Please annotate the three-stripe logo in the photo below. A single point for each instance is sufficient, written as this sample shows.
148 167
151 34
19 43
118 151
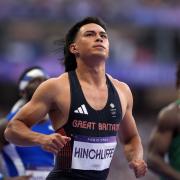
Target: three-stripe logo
81 110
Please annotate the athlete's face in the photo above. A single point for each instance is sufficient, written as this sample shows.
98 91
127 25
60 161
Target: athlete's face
91 41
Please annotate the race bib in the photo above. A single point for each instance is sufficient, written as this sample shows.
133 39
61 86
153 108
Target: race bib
93 153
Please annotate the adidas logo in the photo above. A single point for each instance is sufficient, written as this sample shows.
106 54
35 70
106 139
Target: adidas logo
81 110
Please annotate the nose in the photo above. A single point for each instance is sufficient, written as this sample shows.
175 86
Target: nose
99 38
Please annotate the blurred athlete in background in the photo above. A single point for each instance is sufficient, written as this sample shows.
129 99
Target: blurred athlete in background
165 140
23 160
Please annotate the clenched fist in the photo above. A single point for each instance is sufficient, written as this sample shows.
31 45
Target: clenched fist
54 142
139 167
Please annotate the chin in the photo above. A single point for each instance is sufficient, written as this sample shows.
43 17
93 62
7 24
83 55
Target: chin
100 56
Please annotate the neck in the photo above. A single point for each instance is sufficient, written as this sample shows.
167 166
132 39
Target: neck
92 73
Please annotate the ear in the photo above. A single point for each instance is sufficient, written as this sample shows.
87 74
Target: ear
73 48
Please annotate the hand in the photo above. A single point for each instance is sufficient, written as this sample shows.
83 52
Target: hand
139 167
54 142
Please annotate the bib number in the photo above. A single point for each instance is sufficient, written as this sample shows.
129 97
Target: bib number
93 153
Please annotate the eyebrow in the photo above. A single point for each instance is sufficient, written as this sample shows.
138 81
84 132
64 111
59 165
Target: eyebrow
92 31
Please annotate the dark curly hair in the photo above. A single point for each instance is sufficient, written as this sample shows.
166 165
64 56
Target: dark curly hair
69 58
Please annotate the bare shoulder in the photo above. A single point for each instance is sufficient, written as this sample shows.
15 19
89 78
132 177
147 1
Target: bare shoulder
168 117
55 83
119 85
51 87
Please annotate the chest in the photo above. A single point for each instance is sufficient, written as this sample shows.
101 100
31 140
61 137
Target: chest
95 104
96 97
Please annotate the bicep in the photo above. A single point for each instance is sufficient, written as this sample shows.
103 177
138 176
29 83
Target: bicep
160 141
162 134
31 113
127 129
35 110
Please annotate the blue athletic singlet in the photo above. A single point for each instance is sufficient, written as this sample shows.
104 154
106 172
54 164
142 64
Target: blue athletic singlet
93 136
34 160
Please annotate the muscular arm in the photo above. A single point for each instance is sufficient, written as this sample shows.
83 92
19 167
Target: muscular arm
128 133
129 137
159 144
18 130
